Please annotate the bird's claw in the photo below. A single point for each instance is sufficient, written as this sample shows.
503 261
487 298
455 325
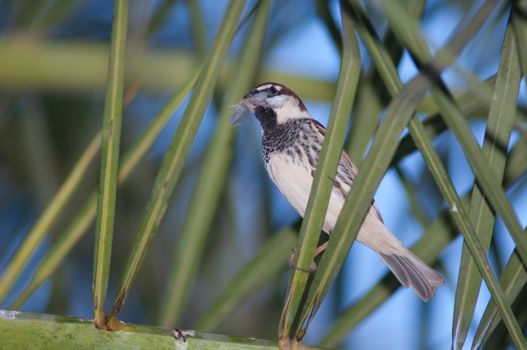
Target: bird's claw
291 262
181 334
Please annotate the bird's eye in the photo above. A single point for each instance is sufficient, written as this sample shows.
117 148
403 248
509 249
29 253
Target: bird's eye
273 91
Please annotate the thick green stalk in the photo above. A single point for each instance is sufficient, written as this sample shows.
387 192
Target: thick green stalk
326 168
203 205
111 133
30 331
172 165
82 67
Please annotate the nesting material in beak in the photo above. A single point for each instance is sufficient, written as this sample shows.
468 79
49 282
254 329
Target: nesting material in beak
247 106
241 113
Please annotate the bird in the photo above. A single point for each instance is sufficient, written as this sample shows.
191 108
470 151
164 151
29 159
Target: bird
291 144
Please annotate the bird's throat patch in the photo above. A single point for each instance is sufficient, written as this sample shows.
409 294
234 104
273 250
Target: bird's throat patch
266 116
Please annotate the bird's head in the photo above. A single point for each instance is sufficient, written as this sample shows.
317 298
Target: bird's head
272 104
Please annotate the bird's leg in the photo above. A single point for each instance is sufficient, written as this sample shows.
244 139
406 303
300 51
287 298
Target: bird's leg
291 261
320 249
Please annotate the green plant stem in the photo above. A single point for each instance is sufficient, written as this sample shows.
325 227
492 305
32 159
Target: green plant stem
322 184
48 332
111 133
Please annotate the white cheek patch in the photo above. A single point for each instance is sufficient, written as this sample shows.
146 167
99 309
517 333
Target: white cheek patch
279 100
286 108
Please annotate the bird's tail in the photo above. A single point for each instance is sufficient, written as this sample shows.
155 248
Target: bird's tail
412 272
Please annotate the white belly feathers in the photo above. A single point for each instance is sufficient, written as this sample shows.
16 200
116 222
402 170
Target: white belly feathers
294 180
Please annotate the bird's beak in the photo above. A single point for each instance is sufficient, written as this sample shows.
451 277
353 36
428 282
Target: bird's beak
252 99
247 106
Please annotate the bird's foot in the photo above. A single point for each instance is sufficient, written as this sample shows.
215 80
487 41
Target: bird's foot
291 262
182 334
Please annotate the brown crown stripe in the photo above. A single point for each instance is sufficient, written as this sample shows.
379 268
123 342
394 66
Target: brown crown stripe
284 90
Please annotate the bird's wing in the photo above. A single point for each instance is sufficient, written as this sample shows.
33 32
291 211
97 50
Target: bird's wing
349 171
346 172
347 168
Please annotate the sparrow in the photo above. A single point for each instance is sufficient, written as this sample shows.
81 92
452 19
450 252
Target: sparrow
291 144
